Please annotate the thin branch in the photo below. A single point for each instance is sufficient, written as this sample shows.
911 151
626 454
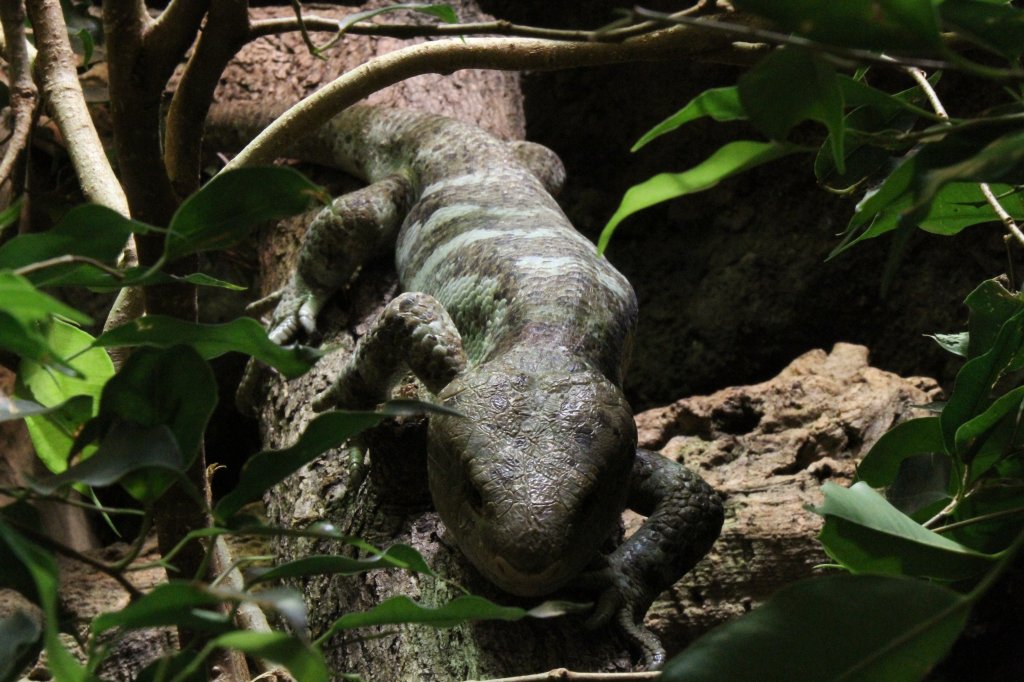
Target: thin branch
24 94
225 32
57 65
776 38
64 260
564 674
447 56
933 98
166 40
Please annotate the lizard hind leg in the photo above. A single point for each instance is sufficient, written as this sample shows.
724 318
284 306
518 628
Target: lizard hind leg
542 162
413 332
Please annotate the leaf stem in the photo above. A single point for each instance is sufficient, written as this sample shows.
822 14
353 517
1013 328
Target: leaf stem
980 519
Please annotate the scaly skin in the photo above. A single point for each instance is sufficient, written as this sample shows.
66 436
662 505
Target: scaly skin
513 320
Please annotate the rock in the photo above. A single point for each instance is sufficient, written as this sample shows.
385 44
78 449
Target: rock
767 448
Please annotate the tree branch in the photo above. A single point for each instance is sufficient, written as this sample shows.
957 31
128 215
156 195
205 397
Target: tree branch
57 66
24 94
446 56
226 31
168 38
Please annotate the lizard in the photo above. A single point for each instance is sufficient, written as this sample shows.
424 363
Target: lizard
510 318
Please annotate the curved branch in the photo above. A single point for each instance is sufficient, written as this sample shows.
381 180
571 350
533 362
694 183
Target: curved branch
24 94
446 56
60 84
167 39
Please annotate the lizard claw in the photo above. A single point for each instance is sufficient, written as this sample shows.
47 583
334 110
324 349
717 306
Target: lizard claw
296 310
624 600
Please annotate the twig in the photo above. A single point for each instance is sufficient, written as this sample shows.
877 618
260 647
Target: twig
563 674
64 94
24 94
933 98
64 260
446 56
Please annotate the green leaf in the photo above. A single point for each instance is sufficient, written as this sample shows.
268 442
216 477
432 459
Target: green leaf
302 661
10 215
267 468
993 25
890 25
812 92
18 636
1001 159
404 610
171 604
23 302
721 104
973 385
956 344
842 627
43 568
242 335
990 305
1007 404
397 556
731 159
53 433
866 534
12 409
89 230
227 207
127 449
443 12
913 437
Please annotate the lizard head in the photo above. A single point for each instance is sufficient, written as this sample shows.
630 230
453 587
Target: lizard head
532 479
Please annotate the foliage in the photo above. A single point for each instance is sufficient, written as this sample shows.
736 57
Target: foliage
922 554
949 521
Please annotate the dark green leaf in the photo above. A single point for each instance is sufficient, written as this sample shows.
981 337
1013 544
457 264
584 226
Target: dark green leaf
27 341
12 409
913 437
18 636
242 335
404 610
994 25
126 449
1001 159
990 305
89 230
301 660
866 534
398 556
874 214
842 627
43 568
731 159
1009 403
812 93
922 486
176 604
956 344
267 468
12 213
890 25
972 389
227 207
721 104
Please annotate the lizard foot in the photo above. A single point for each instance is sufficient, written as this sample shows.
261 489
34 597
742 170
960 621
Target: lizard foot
624 600
297 309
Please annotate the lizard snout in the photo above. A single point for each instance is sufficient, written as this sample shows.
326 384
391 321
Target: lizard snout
528 581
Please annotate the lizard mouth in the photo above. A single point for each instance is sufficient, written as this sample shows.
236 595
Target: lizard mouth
527 583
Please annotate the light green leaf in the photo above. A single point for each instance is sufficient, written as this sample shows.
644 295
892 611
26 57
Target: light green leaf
956 343
866 534
242 335
397 556
176 603
721 104
842 627
731 159
52 434
23 302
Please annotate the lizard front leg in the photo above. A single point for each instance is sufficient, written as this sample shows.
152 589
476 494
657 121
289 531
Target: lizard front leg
684 517
343 236
412 332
